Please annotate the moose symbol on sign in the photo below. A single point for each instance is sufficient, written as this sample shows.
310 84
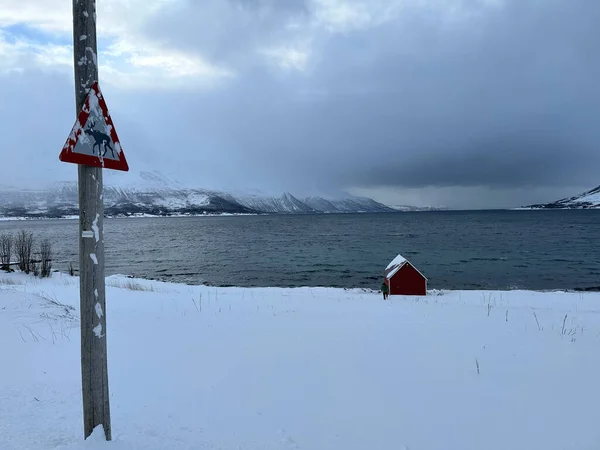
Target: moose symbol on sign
100 139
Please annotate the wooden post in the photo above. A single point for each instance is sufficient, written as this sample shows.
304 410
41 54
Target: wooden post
94 369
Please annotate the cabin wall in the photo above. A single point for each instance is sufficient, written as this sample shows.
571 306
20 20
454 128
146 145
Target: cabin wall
408 281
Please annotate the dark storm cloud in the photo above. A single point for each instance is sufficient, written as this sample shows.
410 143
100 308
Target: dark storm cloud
491 99
507 96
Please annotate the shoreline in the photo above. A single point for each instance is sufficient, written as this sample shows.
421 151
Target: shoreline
132 216
430 292
435 291
225 214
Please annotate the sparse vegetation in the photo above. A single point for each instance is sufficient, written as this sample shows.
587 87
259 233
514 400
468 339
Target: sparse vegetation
130 285
46 258
490 301
6 243
537 321
10 282
23 248
52 300
35 268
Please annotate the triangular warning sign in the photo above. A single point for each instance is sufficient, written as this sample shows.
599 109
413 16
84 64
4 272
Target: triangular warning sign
93 140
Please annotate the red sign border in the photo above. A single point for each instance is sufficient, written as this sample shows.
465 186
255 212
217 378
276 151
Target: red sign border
68 155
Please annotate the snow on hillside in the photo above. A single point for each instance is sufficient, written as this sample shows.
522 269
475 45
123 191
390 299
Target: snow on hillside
587 200
146 193
409 208
346 205
152 193
591 197
287 203
196 367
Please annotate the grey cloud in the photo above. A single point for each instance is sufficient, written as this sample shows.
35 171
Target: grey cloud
37 112
278 6
228 32
505 99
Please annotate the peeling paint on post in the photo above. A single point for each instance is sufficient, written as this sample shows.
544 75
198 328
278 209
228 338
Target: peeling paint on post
94 367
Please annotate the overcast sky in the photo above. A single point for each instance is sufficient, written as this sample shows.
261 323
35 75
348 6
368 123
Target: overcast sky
464 103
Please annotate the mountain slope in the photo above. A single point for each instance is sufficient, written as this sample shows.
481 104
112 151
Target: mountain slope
151 193
587 200
346 205
287 203
61 200
409 208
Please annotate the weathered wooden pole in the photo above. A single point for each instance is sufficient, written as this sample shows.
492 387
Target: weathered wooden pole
94 368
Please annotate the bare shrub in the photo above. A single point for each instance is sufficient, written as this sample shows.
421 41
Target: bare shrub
46 258
71 270
53 300
35 268
23 248
6 244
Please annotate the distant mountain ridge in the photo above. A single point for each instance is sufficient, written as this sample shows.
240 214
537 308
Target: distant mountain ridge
287 203
346 205
408 208
588 200
152 194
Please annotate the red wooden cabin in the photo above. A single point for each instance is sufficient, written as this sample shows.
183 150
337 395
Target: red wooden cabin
402 278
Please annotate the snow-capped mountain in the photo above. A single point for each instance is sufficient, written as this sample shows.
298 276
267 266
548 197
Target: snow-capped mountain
287 203
408 208
587 200
61 200
151 193
346 205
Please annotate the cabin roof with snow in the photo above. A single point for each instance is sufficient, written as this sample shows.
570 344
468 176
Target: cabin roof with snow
396 264
398 260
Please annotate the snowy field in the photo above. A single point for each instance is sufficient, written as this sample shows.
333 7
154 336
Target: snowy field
195 367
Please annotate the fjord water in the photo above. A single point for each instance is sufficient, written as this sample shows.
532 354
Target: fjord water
455 250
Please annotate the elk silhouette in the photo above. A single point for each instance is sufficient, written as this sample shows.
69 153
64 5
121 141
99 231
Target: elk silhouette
101 140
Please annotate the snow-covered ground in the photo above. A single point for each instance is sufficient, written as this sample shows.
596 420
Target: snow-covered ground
196 367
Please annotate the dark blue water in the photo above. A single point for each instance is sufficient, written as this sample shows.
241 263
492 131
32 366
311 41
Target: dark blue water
455 250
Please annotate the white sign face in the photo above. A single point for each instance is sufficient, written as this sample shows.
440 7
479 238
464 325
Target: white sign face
95 138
